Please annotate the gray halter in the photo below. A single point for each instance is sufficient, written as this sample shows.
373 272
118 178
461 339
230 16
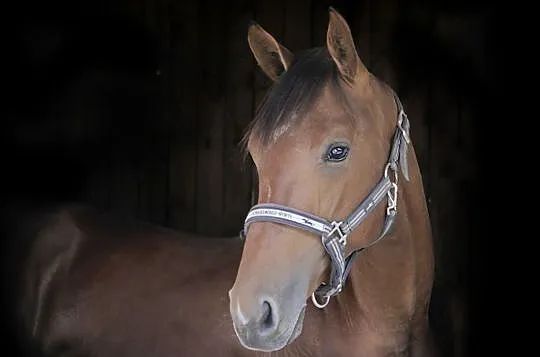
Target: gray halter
334 233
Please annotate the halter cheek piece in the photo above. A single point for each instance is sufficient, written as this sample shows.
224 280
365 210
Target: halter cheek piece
334 233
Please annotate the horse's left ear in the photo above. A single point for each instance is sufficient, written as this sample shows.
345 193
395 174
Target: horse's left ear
341 46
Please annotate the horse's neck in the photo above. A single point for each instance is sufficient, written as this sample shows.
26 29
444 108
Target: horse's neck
398 269
414 207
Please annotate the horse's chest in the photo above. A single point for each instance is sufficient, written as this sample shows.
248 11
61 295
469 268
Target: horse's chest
362 344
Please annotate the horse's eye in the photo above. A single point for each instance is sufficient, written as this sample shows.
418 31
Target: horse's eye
337 152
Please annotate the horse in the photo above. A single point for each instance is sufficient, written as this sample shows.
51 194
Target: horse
96 284
341 215
329 139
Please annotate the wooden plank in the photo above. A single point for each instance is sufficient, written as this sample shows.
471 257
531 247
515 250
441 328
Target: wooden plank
237 179
319 22
143 210
158 165
213 26
467 186
124 183
117 187
145 144
145 156
383 18
442 178
361 31
97 185
183 109
124 147
297 29
467 143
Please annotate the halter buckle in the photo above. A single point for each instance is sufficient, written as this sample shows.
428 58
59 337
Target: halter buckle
392 199
392 194
336 227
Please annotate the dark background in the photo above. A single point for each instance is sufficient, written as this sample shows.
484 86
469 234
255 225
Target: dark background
138 107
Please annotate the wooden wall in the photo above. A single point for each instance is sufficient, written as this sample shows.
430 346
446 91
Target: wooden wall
181 166
139 106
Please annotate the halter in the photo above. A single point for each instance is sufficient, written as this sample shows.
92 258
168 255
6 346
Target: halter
334 233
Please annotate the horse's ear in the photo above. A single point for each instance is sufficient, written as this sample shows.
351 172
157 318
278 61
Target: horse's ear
273 58
341 47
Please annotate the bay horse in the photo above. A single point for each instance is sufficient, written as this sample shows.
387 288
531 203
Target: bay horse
341 215
329 139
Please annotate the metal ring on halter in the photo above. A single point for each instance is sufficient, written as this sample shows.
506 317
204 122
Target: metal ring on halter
393 167
316 303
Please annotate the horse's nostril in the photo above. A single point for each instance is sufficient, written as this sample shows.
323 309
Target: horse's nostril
267 320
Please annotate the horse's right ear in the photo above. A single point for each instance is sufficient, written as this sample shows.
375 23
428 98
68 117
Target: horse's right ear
273 58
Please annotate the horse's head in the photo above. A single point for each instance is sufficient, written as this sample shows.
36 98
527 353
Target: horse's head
320 142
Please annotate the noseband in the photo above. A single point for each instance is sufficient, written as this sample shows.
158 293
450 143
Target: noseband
334 233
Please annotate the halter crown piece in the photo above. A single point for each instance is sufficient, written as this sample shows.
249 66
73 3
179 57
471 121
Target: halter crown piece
334 233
